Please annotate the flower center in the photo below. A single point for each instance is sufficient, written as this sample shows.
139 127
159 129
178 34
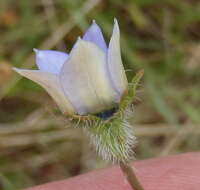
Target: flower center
106 114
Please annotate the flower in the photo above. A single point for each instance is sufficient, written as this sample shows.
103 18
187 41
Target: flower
89 80
89 85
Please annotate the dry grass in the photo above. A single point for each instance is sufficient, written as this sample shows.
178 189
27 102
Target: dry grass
37 144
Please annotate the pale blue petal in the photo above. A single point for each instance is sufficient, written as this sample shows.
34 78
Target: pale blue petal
50 82
94 34
50 61
115 66
85 80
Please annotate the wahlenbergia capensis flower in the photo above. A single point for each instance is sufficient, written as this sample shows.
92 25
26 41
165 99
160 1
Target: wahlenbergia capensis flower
89 85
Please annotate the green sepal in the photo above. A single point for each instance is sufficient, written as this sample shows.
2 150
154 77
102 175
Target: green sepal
127 99
113 138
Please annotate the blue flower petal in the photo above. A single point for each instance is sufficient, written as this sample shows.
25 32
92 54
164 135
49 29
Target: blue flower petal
50 61
87 84
115 66
94 34
50 82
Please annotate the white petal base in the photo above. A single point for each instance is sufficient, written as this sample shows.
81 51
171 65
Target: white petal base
85 80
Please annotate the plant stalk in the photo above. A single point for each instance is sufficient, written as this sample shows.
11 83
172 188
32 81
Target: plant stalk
130 176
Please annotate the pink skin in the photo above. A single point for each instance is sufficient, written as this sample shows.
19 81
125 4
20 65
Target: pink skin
181 172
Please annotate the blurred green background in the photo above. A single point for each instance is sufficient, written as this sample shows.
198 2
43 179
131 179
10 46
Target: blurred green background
37 145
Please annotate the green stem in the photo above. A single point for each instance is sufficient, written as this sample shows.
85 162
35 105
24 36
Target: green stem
130 176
